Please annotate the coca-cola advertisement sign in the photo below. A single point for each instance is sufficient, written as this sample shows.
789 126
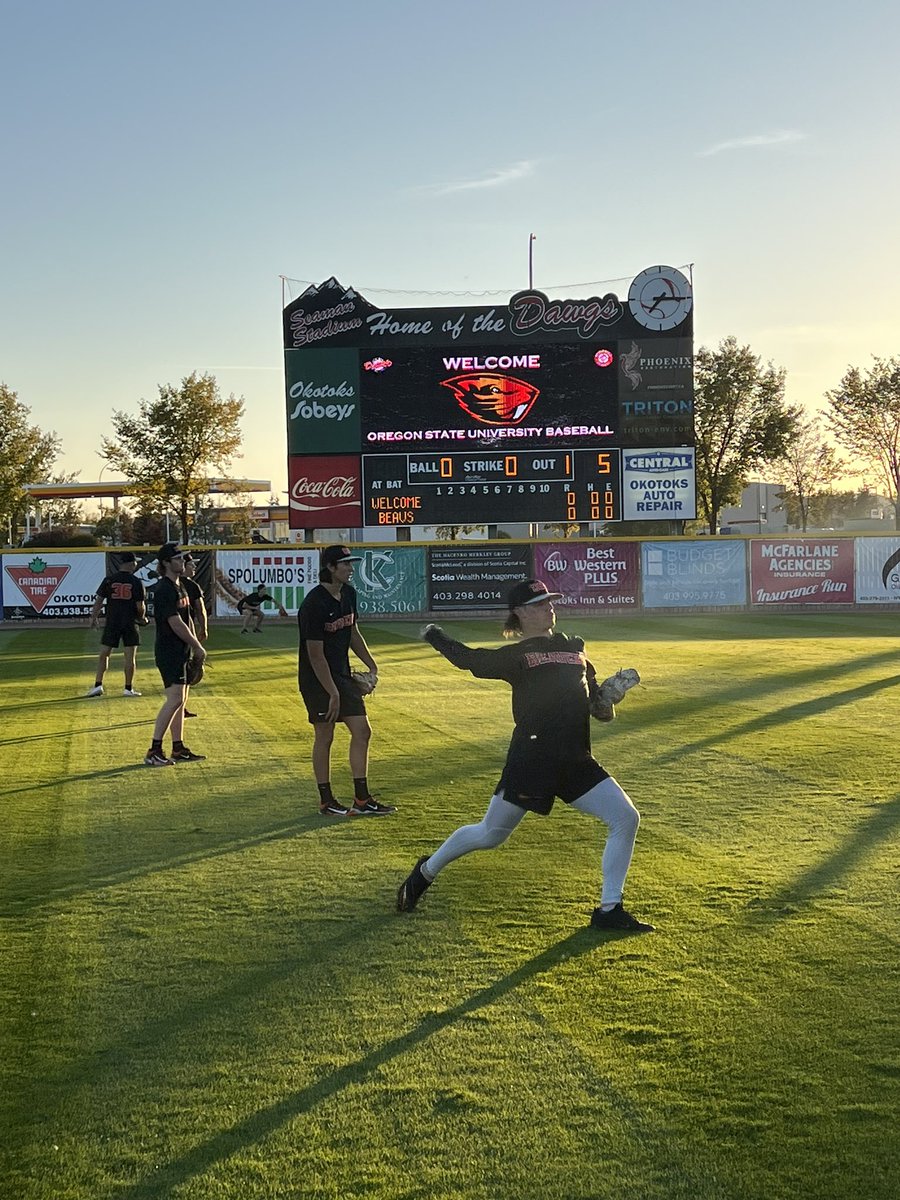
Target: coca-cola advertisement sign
324 491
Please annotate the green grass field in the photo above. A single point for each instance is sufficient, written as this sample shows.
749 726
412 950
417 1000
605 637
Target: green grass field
206 993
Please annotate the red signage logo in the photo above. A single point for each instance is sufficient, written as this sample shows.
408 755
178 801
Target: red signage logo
492 398
324 492
38 582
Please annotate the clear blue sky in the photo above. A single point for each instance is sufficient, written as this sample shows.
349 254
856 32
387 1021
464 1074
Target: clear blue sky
164 164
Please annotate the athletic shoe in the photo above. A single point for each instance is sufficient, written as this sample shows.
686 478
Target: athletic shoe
333 808
155 758
97 690
130 692
413 888
619 919
245 631
371 808
185 755
189 714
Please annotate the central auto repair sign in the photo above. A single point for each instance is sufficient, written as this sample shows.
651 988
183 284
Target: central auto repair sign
801 571
43 584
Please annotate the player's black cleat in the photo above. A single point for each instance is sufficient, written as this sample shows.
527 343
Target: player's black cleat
370 807
333 808
618 920
185 755
413 888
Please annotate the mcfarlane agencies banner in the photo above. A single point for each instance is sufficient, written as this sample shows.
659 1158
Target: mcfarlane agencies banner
601 575
287 575
801 570
685 574
475 577
44 584
878 570
390 580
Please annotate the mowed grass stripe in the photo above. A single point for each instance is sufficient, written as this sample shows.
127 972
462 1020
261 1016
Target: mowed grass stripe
225 1004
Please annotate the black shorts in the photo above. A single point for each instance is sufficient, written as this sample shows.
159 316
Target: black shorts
534 783
172 668
316 699
126 634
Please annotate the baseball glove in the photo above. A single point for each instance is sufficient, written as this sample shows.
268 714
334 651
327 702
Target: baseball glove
603 697
366 681
193 672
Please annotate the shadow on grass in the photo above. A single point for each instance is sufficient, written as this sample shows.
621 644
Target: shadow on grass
266 1121
70 733
18 906
879 826
782 716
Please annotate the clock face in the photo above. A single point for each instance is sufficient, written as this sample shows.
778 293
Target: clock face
660 298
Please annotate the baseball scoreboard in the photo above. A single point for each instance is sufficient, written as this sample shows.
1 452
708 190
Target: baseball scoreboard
539 411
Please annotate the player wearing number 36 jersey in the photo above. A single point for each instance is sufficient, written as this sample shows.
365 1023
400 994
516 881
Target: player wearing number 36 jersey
550 752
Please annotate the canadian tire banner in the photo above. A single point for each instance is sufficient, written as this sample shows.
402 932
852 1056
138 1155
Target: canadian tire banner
44 584
590 575
325 492
806 570
878 570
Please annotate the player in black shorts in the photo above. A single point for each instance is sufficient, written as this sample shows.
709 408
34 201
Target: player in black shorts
250 607
123 594
328 632
550 752
175 643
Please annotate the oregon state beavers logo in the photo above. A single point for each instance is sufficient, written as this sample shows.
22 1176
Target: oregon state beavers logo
493 399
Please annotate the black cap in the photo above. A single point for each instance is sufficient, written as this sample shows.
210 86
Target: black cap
531 591
169 551
127 556
332 555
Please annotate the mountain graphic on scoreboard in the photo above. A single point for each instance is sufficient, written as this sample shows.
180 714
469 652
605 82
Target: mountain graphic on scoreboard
492 398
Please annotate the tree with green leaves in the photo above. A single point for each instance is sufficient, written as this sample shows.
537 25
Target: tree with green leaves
741 422
811 465
176 442
26 456
864 415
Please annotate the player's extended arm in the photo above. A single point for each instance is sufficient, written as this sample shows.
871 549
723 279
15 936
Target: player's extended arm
483 664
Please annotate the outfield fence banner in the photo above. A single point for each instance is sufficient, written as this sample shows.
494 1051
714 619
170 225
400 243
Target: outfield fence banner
801 570
287 574
472 577
51 584
693 574
878 570
390 580
590 575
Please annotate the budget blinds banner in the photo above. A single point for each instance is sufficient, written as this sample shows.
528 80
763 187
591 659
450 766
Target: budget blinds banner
475 577
685 574
878 570
42 585
801 571
603 575
288 575
389 580
658 485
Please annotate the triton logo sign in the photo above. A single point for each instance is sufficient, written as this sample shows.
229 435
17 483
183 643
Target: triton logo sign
492 398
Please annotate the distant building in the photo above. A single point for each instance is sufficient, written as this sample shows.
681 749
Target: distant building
761 510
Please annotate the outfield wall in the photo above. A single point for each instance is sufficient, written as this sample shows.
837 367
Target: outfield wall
789 573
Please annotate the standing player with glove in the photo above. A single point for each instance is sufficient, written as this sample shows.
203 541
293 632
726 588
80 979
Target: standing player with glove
554 694
328 632
178 651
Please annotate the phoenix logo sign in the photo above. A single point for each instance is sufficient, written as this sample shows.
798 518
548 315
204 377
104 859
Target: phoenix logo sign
493 398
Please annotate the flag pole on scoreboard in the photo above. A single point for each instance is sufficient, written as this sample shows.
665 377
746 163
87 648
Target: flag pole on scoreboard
531 238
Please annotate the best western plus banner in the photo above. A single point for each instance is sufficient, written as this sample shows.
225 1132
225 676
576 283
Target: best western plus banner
599 575
44 584
801 571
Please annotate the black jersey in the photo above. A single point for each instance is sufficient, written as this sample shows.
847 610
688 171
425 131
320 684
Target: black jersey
254 600
169 600
327 619
195 597
550 752
122 592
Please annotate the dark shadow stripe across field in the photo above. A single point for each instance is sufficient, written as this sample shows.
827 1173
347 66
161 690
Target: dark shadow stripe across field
70 733
879 828
259 1125
778 717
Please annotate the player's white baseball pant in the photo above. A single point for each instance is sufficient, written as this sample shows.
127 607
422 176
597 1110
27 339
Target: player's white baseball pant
606 800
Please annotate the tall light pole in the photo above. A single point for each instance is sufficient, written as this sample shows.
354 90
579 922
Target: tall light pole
531 240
